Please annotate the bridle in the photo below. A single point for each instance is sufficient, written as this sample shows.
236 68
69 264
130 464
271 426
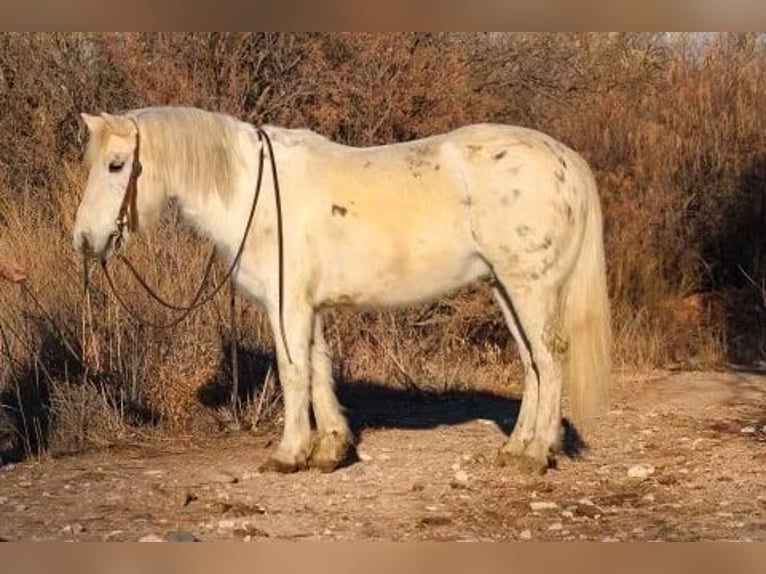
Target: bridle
127 218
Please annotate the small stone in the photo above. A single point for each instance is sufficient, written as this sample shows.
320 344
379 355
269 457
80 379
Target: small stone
223 477
247 538
150 538
226 524
111 535
460 480
73 529
364 457
567 514
555 526
20 507
188 498
525 535
180 536
648 498
154 472
536 505
641 471
747 430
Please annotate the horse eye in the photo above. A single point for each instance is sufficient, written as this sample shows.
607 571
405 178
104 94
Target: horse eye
115 166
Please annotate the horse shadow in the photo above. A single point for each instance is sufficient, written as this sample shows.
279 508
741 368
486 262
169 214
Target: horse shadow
370 404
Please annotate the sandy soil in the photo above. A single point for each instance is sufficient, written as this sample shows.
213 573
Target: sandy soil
679 457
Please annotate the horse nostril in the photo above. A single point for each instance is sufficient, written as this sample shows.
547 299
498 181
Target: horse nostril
82 244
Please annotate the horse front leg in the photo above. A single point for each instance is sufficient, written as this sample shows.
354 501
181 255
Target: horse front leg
334 439
294 449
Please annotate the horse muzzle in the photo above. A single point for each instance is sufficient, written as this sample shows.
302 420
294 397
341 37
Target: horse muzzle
88 246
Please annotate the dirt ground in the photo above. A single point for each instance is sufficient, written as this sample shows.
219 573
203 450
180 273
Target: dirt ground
680 456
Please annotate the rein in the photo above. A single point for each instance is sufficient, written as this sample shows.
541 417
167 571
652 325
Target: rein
127 218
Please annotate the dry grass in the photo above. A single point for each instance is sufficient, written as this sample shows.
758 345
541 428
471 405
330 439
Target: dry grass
675 134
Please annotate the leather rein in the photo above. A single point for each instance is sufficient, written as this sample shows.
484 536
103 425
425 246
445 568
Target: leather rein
127 218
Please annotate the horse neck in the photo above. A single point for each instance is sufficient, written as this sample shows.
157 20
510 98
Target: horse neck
221 219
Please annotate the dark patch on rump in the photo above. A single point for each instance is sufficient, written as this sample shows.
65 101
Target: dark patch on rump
339 210
560 175
500 155
523 230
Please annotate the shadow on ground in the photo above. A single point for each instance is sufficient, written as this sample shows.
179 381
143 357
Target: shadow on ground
377 404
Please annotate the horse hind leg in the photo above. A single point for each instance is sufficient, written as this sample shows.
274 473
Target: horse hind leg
530 312
333 438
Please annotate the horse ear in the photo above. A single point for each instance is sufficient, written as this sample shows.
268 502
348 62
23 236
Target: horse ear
94 123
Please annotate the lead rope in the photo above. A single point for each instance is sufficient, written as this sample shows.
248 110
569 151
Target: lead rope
198 300
280 243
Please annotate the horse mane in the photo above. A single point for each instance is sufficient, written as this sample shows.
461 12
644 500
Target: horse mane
196 149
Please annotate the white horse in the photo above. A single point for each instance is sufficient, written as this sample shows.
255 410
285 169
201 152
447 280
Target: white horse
379 226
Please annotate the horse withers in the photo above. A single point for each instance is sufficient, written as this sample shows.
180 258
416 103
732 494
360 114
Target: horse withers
308 223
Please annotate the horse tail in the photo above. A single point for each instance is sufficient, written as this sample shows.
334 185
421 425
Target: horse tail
586 322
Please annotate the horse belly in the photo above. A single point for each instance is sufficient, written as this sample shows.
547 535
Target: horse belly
400 269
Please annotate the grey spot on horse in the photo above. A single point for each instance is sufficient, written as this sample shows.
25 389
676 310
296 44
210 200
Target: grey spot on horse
541 246
339 210
562 161
465 201
534 276
560 175
437 167
514 169
500 155
569 213
474 149
510 197
523 230
417 159
367 164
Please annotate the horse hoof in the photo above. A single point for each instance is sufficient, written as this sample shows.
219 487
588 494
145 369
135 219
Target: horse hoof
276 465
522 463
331 451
